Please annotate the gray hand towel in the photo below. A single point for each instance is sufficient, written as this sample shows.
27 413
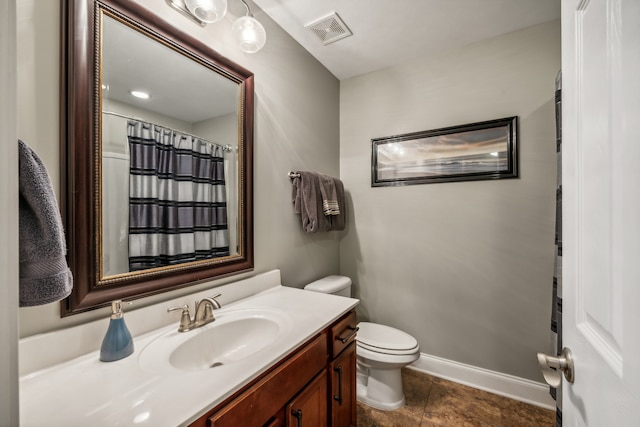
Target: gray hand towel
330 204
307 200
44 274
338 221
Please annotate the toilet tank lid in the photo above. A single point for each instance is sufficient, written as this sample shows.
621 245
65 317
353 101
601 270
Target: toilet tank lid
329 284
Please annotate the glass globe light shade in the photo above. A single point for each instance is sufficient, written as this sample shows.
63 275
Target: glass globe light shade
208 11
249 34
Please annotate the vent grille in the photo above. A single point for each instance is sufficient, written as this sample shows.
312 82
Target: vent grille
329 29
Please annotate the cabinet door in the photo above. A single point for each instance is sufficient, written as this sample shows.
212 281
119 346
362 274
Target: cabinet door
309 408
343 388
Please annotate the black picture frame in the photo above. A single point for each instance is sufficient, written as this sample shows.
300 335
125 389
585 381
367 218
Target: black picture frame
470 152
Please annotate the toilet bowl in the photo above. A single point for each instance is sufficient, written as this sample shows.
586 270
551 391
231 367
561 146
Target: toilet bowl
381 353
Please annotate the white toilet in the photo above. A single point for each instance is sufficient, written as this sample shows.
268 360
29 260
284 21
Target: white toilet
381 352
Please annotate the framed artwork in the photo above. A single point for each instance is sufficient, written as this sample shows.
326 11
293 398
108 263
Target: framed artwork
475 151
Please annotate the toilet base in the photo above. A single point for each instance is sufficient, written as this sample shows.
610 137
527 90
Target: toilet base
385 406
380 388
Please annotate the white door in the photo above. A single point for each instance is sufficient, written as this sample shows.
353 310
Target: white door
601 210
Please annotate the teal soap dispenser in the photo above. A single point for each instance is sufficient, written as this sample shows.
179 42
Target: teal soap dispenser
117 343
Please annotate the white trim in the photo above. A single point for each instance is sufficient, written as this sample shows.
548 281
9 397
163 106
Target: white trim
494 382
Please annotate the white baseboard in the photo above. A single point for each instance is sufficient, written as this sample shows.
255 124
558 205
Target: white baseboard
506 385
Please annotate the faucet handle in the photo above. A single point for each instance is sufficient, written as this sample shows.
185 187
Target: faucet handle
185 318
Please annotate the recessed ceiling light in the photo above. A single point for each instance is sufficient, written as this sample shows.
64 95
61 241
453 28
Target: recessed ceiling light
140 94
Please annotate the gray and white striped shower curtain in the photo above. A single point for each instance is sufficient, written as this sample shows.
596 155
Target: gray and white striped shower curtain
177 201
556 309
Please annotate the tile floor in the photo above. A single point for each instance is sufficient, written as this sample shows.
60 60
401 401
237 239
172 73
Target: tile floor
432 401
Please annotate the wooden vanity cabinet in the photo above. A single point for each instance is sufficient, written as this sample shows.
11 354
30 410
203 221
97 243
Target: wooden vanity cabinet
260 403
343 388
342 372
312 387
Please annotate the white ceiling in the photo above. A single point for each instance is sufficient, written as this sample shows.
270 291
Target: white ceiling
387 32
152 67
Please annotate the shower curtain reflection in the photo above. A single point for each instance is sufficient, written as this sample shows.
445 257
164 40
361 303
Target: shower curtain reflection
177 198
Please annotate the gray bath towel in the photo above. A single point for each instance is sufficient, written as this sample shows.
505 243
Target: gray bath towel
44 274
308 202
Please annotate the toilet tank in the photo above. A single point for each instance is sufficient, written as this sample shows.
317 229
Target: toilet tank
337 285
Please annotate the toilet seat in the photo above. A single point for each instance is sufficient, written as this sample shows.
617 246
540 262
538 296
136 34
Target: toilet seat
385 339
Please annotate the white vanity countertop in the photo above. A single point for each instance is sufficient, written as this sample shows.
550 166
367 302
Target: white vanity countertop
87 392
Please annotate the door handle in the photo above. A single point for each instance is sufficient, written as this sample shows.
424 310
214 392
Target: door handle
563 363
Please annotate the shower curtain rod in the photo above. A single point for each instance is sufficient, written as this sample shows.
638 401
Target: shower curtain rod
226 147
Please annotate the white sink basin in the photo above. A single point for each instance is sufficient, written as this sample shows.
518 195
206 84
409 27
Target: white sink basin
235 336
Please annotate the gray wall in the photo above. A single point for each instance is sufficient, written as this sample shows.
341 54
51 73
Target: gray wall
297 127
464 267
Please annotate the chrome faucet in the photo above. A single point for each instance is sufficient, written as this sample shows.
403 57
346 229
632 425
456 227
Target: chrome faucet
203 316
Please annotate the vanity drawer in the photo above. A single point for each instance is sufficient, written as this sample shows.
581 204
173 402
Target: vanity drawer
262 401
343 333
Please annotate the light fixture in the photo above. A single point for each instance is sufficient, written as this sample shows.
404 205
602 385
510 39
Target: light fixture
140 94
208 11
249 32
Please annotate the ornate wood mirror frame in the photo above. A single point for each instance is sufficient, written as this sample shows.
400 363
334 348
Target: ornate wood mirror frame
81 156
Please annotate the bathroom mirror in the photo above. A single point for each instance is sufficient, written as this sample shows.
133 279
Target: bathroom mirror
198 112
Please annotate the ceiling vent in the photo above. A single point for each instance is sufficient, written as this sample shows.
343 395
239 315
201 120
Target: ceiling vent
329 29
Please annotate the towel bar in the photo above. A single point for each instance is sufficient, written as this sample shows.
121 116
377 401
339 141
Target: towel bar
294 175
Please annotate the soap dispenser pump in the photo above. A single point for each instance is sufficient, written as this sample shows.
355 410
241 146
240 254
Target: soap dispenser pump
117 343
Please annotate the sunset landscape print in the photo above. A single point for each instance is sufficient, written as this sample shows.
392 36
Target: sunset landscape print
477 151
